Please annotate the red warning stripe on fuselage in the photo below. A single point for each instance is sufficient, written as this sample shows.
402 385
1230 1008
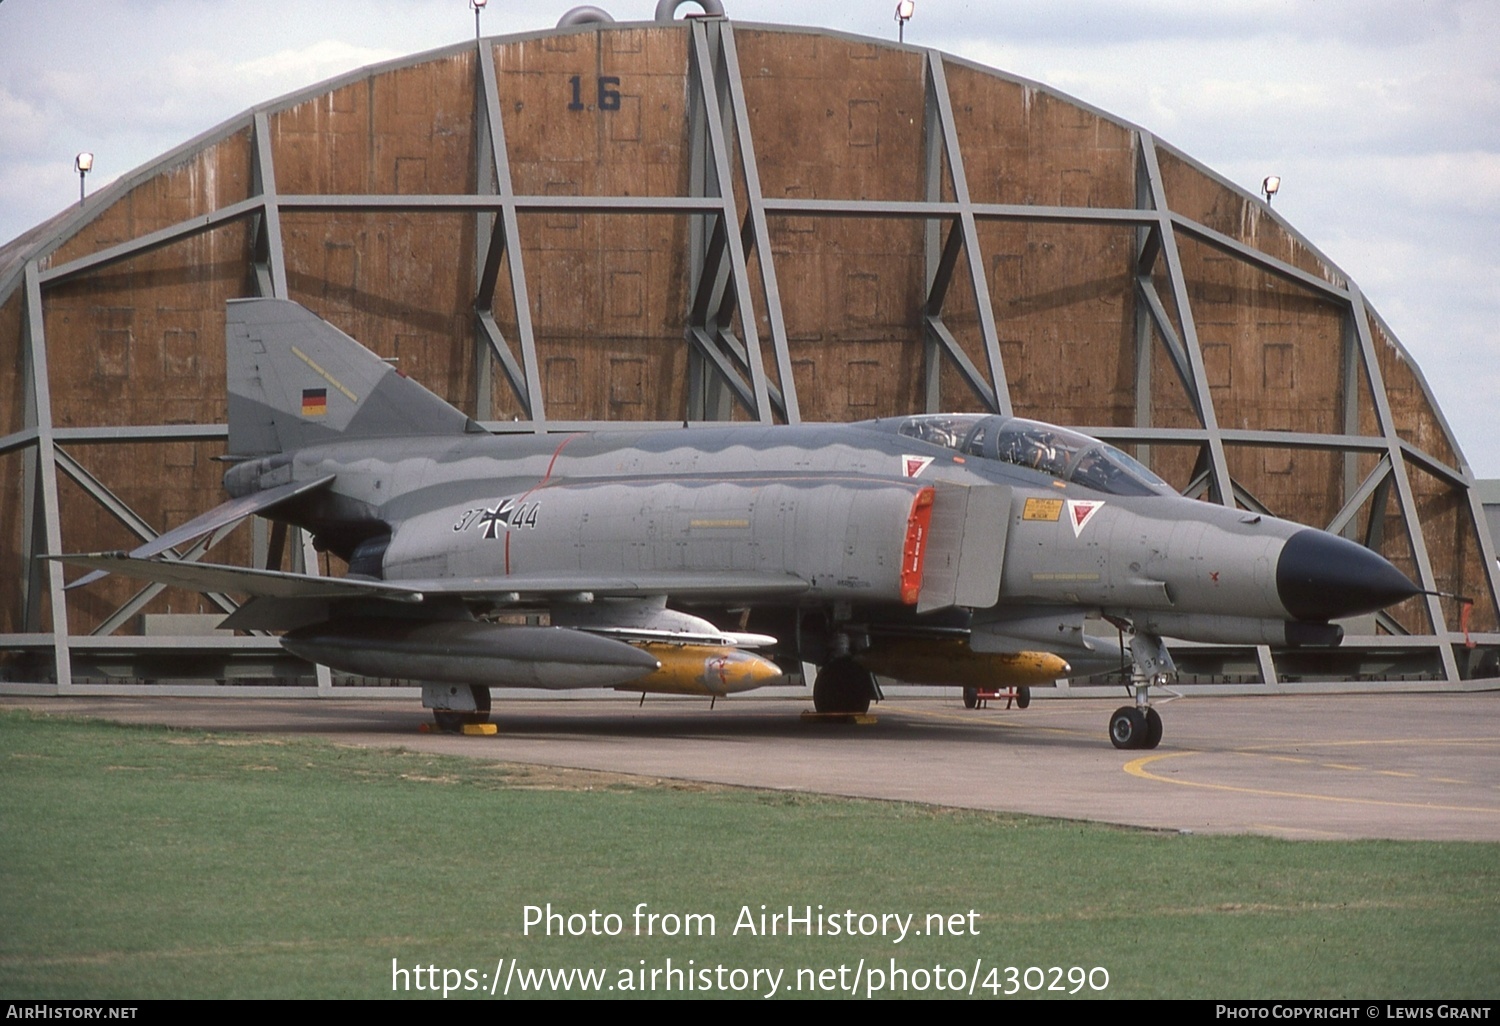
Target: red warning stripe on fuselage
914 553
545 478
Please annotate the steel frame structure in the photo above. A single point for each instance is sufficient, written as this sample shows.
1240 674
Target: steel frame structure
734 287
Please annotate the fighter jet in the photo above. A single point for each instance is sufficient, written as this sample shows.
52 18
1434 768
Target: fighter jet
948 549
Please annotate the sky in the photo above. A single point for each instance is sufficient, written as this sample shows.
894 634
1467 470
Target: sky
1382 117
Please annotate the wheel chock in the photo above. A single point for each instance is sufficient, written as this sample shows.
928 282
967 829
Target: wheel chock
856 719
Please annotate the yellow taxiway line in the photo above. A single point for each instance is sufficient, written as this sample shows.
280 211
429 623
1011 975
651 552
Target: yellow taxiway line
1137 768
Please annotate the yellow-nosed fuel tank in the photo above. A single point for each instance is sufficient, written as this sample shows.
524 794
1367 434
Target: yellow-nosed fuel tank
951 661
703 670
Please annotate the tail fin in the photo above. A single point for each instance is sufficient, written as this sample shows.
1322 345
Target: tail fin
295 380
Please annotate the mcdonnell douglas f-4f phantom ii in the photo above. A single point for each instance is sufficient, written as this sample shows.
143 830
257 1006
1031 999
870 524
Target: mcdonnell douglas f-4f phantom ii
961 549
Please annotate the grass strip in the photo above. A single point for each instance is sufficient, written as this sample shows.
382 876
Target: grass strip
143 862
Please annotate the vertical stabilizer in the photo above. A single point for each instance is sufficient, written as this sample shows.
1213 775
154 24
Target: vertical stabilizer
295 380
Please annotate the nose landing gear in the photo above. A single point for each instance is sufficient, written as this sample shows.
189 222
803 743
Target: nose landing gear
1139 725
1133 727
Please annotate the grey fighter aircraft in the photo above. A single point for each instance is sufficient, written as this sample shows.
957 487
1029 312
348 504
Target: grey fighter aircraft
959 549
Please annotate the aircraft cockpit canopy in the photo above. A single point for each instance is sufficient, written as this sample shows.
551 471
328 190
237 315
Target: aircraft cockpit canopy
1064 455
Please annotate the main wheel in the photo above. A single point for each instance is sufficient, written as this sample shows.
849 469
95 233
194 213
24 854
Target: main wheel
453 721
1153 729
971 698
1127 727
843 686
450 721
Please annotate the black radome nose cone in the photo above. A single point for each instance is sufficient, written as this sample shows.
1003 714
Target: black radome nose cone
1321 576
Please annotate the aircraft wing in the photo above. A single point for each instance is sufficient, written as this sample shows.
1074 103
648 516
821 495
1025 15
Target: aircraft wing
216 577
220 516
505 590
682 584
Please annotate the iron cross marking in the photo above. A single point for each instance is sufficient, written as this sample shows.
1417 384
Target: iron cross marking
493 519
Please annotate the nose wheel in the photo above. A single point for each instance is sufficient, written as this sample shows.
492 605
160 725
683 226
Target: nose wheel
1139 725
1135 727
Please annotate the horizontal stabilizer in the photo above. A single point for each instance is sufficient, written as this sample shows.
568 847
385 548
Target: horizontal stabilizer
220 516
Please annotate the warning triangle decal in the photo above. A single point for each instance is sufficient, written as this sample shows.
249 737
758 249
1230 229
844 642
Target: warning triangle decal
911 466
1080 512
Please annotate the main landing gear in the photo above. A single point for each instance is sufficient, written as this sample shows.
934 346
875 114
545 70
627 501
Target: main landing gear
1139 725
843 686
455 706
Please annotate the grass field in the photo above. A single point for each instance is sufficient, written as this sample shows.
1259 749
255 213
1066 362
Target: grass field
145 862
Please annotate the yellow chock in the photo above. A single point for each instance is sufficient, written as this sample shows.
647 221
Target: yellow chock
479 729
857 719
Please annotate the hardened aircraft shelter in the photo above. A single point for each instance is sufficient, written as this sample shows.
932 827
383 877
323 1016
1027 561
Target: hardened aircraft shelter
693 220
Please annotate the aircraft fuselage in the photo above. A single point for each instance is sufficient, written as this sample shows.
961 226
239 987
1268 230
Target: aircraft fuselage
937 548
832 504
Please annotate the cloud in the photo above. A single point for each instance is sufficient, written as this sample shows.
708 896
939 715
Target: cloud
147 94
25 130
1376 24
322 60
1382 116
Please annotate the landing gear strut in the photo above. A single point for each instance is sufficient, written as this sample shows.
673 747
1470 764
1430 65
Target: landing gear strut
1139 726
843 686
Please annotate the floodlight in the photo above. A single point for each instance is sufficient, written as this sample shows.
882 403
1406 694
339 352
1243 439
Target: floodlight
1270 187
904 11
83 164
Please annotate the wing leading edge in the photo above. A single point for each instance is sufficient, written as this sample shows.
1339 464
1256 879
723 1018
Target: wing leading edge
504 590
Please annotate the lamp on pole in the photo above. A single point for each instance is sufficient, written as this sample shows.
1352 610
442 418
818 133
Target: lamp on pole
904 11
83 164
